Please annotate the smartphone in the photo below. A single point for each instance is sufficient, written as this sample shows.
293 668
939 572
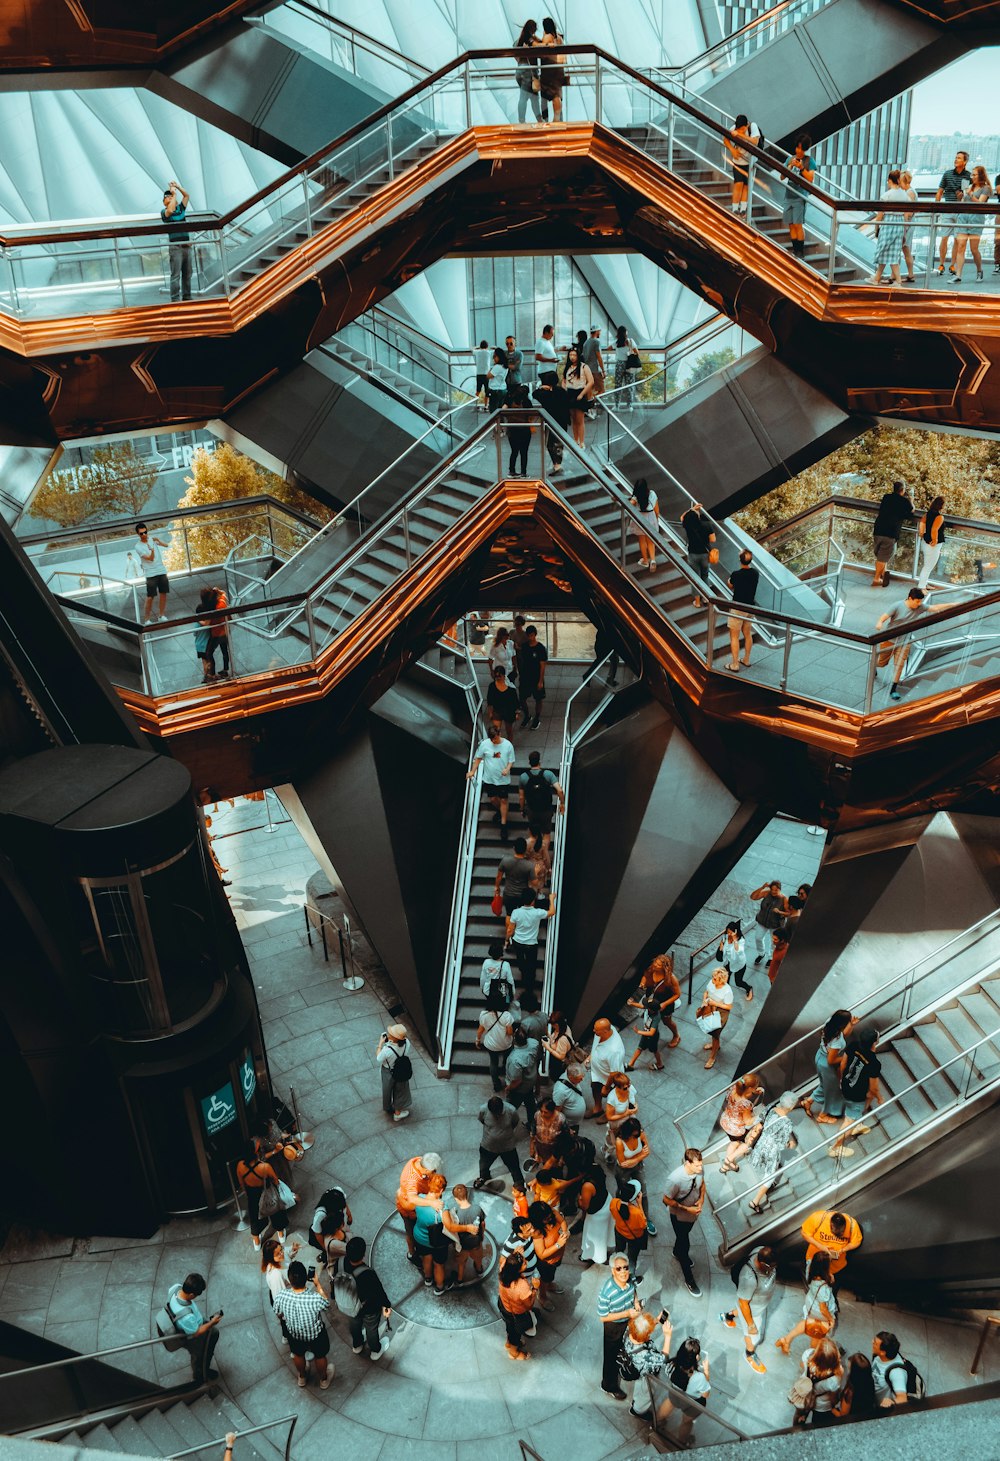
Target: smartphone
220 1312
664 1316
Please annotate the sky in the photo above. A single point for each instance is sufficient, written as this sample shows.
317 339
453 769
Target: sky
963 97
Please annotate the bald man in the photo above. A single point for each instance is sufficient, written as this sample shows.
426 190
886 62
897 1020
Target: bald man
607 1055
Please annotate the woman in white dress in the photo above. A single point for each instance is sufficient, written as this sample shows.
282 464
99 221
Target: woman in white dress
598 1225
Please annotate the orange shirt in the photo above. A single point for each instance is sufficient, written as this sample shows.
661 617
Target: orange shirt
519 1297
413 1182
218 629
818 1234
635 1226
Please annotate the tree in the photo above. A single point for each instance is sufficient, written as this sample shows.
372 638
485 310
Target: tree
964 470
116 482
225 475
708 364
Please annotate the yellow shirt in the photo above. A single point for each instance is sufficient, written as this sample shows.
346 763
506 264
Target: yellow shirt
818 1234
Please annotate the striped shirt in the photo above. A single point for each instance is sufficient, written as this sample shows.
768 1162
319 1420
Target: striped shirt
613 1299
517 1244
302 1311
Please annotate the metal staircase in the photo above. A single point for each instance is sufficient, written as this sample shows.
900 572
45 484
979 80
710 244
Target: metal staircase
180 1427
939 1047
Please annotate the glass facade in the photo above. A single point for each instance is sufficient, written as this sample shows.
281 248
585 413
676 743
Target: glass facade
519 296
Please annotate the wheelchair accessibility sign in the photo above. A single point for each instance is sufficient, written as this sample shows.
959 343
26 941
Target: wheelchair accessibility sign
219 1109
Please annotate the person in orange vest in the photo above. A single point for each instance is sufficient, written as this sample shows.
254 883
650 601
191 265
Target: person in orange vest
413 1182
834 1233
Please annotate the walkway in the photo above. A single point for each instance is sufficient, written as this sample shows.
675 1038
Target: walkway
321 1040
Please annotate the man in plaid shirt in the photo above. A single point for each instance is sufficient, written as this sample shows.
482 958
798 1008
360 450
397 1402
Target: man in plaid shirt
301 1310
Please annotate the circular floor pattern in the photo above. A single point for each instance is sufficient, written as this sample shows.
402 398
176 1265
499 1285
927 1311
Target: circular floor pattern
472 1306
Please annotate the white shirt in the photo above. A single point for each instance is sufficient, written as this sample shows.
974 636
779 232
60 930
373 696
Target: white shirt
149 557
497 761
545 350
498 377
719 996
527 922
276 1279
482 359
498 1029
501 654
495 969
606 1056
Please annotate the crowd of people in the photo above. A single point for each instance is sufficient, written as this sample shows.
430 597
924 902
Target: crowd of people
564 1183
568 381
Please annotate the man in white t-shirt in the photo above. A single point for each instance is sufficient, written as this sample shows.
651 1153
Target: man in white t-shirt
155 572
496 756
523 927
495 1036
546 359
607 1055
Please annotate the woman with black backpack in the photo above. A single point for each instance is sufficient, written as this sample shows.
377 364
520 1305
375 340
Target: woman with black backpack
393 1055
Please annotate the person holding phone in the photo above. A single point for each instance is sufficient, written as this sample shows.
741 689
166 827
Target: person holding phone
641 1356
200 1334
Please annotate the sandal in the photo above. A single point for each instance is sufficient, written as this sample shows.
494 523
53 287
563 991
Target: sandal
733 669
758 1209
710 1062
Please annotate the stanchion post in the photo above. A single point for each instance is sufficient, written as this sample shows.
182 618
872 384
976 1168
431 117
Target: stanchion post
352 981
241 1223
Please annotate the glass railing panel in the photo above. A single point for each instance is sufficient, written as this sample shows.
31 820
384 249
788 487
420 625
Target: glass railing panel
680 1419
65 278
760 32
324 35
333 609
958 652
815 664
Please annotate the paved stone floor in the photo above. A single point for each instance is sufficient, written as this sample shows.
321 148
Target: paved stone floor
452 1394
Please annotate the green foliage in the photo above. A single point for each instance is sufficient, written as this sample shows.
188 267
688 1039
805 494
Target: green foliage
117 482
708 364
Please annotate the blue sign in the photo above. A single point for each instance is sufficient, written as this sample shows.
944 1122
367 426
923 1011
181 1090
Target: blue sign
248 1078
219 1109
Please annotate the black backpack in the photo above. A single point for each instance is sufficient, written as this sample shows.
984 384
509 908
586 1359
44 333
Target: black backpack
915 1387
537 792
402 1069
499 992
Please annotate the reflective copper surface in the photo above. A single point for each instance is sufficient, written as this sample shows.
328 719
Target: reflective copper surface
925 356
37 35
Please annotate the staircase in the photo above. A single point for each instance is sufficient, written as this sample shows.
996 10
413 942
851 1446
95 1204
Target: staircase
481 928
177 1428
376 562
940 1056
766 204
393 382
335 201
666 585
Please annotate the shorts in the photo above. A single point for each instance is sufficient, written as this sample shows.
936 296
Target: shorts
884 549
318 1347
158 584
482 384
650 1042
740 174
503 792
437 1251
539 823
854 1110
795 212
737 622
470 1241
547 1271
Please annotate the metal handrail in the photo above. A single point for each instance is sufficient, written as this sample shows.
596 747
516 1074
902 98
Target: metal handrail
291 1421
934 954
155 519
79 1359
462 887
919 1133
691 958
371 122
380 49
571 739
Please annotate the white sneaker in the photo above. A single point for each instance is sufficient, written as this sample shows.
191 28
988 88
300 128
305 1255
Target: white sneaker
400 1115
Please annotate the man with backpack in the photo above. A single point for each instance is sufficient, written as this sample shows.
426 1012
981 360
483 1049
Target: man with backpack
537 787
360 1297
897 1379
522 1072
755 1280
182 1319
859 1085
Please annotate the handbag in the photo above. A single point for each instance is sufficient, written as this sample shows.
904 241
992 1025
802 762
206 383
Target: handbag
713 555
496 905
632 361
817 1328
801 1394
276 1197
708 1019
